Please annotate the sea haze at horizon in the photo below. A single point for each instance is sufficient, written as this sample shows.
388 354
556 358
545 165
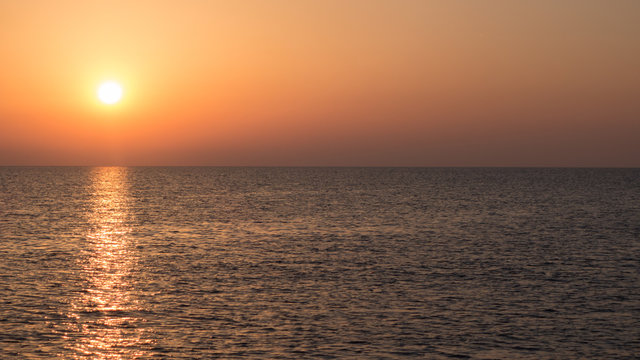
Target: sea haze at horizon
205 262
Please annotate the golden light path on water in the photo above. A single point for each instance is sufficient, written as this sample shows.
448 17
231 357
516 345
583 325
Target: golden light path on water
107 312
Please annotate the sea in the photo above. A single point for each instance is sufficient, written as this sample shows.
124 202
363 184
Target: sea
319 263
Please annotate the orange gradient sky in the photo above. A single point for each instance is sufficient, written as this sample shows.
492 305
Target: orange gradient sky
349 82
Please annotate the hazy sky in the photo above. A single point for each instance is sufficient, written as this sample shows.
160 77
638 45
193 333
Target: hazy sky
399 83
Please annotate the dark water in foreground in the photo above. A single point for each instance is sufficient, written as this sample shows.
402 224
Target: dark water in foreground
121 263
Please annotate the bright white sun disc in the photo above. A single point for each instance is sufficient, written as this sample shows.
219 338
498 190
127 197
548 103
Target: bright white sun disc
110 92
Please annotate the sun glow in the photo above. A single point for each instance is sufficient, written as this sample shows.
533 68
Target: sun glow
110 92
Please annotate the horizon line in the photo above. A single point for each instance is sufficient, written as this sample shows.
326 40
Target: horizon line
346 166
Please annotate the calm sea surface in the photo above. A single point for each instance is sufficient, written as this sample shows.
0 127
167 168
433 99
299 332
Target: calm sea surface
296 263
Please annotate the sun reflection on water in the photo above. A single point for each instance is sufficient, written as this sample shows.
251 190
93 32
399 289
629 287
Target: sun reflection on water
106 314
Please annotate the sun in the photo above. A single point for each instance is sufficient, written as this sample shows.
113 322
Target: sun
110 92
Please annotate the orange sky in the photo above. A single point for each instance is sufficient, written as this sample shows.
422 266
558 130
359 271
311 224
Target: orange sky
349 82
